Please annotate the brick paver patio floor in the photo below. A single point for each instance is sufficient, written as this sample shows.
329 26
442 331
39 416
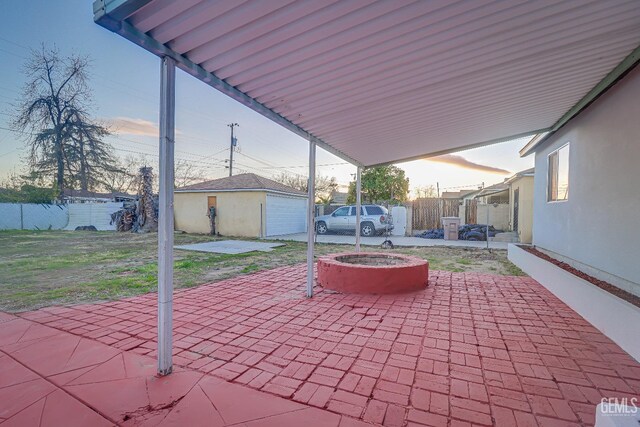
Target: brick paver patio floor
473 349
52 378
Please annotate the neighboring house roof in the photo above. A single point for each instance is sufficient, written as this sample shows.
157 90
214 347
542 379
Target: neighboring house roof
450 195
493 189
458 194
521 174
504 186
469 194
242 182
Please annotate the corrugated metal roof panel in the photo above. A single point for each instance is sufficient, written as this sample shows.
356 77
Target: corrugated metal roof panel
387 80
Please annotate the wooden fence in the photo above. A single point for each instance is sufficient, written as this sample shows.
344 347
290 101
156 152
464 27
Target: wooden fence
471 211
427 212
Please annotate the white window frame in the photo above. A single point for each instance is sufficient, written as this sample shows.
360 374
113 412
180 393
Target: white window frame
549 168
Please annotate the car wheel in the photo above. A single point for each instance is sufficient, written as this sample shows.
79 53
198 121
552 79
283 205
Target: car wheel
321 228
367 229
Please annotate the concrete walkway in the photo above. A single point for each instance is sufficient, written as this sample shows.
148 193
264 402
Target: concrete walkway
347 239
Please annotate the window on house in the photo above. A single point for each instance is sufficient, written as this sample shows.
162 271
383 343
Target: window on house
558 179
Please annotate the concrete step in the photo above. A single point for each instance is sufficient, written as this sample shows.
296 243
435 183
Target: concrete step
507 237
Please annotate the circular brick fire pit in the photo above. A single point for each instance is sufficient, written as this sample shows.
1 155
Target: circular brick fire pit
372 273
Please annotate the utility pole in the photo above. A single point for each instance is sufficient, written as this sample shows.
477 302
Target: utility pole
439 221
234 143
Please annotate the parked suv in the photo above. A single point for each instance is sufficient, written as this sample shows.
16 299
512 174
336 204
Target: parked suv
374 219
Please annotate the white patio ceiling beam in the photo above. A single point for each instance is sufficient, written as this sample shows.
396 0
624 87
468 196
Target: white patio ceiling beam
353 75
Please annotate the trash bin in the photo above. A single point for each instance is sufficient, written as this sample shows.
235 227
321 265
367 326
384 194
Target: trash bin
451 224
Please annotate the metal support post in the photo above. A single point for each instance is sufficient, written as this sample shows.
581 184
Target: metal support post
358 205
311 226
165 216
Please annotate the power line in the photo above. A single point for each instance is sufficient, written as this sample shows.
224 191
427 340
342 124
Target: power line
121 138
136 152
463 187
214 162
9 152
147 98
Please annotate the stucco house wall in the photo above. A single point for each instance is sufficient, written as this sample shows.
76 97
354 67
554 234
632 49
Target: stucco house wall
238 212
597 228
525 208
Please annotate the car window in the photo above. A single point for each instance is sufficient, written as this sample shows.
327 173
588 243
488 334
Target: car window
375 210
353 211
343 211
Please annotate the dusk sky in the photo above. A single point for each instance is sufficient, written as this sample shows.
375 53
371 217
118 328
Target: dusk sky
125 83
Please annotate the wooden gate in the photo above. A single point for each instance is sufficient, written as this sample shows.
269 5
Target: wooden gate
471 211
427 212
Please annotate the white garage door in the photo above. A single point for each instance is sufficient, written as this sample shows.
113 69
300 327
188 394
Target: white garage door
286 215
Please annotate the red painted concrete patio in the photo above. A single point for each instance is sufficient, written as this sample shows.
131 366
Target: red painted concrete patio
472 349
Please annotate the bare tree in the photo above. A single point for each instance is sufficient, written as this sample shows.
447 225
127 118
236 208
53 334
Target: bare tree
123 178
54 114
186 173
428 191
324 185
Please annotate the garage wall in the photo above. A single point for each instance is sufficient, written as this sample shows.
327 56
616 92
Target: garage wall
597 226
285 215
238 212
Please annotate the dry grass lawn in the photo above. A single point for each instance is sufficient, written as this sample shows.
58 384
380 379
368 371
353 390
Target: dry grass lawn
41 268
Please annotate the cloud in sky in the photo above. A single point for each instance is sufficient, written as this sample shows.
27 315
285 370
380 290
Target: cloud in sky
131 126
453 159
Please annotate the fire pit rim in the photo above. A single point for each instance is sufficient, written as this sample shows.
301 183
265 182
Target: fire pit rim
412 274
409 260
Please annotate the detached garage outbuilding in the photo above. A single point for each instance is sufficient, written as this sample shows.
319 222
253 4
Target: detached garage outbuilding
245 205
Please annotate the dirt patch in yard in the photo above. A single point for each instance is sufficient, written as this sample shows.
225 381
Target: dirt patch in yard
42 268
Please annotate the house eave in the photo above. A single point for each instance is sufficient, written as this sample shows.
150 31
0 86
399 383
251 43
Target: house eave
598 90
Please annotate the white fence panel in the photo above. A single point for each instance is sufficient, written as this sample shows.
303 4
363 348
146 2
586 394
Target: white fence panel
498 215
10 216
32 216
96 214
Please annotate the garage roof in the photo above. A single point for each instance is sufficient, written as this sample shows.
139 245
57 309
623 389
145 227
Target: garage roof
241 182
383 81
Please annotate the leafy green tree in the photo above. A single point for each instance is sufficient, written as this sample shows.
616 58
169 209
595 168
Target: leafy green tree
381 184
29 188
